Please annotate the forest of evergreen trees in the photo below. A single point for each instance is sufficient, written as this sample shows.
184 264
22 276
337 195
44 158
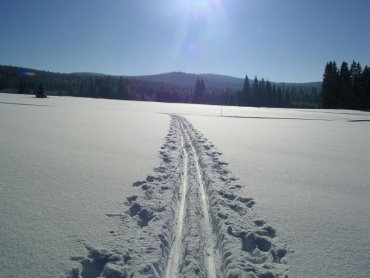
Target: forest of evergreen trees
264 93
346 88
259 93
14 80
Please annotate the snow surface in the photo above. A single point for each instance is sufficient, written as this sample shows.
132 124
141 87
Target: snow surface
68 207
63 167
310 180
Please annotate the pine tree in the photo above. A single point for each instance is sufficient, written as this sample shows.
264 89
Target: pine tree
199 91
365 89
330 85
346 97
22 88
274 96
40 92
262 92
246 98
268 94
356 72
256 91
123 90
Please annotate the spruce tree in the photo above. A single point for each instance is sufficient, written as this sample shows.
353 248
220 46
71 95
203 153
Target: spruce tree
356 72
255 91
246 92
41 92
22 88
365 89
330 85
345 96
123 90
268 94
199 91
262 92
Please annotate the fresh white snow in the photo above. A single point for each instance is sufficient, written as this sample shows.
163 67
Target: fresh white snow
67 204
62 169
310 180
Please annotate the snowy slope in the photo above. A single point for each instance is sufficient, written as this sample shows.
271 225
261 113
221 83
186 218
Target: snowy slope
112 188
308 172
189 220
63 167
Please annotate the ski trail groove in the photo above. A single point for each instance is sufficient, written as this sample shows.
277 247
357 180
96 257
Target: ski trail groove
210 239
175 253
189 218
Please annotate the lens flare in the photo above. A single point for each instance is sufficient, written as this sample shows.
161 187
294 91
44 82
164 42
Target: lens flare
200 7
204 8
28 73
200 23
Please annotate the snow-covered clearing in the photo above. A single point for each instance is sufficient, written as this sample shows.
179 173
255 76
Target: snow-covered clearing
83 191
310 179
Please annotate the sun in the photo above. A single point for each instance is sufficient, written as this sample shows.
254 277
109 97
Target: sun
200 7
200 4
203 7
198 25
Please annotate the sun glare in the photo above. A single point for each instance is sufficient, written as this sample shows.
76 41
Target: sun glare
200 23
203 7
199 6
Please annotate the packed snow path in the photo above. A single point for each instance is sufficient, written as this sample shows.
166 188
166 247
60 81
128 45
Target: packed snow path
197 202
190 220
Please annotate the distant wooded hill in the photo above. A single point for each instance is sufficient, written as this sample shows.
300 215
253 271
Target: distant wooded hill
213 80
167 87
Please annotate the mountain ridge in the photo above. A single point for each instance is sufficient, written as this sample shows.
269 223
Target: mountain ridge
211 80
184 79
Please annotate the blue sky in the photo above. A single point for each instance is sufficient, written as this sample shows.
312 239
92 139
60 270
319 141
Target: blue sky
281 40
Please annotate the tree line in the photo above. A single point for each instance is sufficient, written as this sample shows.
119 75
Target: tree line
346 88
258 93
265 93
13 79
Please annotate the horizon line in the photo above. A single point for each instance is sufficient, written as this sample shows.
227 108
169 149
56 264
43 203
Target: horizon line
161 73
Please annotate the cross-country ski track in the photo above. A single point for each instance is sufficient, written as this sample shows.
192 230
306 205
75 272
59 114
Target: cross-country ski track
190 219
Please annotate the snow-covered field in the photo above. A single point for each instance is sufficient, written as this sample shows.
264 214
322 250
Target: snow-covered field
102 187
